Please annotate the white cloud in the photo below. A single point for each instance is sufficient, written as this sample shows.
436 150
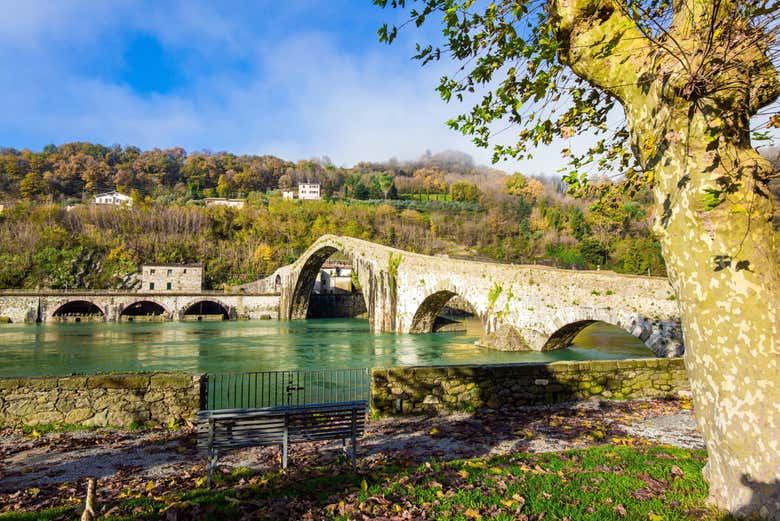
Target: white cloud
308 97
301 96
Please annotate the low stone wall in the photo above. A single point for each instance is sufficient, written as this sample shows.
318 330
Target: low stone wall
101 399
156 398
442 389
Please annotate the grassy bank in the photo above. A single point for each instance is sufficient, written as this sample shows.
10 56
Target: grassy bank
608 482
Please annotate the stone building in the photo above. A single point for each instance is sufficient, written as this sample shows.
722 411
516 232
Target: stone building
182 278
334 277
309 191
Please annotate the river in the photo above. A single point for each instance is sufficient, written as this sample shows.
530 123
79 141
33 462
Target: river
234 346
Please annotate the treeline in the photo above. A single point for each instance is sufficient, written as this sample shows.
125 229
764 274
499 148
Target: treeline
73 172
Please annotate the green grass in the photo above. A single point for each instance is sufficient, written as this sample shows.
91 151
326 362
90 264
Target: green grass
37 430
606 483
44 515
426 197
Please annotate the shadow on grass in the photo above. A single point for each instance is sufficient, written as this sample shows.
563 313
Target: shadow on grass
602 483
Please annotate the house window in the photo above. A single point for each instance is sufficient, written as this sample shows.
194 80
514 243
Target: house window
151 272
170 272
185 270
168 286
151 285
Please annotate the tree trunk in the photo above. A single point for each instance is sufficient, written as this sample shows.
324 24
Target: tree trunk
688 106
713 217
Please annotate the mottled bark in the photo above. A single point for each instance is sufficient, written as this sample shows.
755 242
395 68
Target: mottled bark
689 116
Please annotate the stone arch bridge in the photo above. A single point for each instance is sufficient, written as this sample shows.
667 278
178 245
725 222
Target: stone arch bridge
31 306
521 307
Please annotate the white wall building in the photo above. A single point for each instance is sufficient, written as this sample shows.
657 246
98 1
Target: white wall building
114 198
309 191
224 201
334 277
288 194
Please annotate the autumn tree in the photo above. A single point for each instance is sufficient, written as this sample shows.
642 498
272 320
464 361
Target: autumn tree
689 77
529 189
465 191
387 183
32 185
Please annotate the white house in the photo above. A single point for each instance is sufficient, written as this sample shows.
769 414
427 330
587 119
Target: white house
334 277
288 194
309 191
223 201
114 198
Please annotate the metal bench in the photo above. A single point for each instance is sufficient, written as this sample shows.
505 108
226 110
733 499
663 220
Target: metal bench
225 429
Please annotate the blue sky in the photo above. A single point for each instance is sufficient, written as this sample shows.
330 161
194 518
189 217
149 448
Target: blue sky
297 79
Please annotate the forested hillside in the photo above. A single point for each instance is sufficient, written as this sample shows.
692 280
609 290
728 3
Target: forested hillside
438 204
72 171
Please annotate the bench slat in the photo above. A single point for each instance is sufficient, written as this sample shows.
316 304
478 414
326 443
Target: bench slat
236 428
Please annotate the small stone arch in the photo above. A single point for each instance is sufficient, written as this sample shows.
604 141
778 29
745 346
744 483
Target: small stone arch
207 309
307 275
144 308
278 284
663 338
77 311
563 336
425 317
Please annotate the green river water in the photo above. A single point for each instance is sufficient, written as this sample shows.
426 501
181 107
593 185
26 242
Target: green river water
236 346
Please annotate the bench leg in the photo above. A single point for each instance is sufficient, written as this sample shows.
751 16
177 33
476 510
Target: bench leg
349 451
354 440
284 445
284 454
353 452
211 464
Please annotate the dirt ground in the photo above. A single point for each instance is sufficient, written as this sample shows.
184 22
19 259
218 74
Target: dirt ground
45 470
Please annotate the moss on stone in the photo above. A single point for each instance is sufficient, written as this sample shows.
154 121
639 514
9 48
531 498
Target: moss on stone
170 381
117 381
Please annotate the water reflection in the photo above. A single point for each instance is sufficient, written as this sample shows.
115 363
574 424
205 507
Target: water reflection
56 349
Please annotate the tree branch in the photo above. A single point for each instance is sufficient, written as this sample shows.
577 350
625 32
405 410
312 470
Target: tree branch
602 44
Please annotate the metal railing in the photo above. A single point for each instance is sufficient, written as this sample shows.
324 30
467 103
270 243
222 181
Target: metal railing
284 388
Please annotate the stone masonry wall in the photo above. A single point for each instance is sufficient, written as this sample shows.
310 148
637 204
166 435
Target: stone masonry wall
444 389
156 398
336 305
101 399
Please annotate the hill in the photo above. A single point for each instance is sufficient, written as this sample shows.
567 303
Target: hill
436 204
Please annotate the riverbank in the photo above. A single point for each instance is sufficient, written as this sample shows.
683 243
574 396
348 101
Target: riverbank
145 472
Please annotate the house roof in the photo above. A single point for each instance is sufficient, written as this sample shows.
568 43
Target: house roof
172 265
114 193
